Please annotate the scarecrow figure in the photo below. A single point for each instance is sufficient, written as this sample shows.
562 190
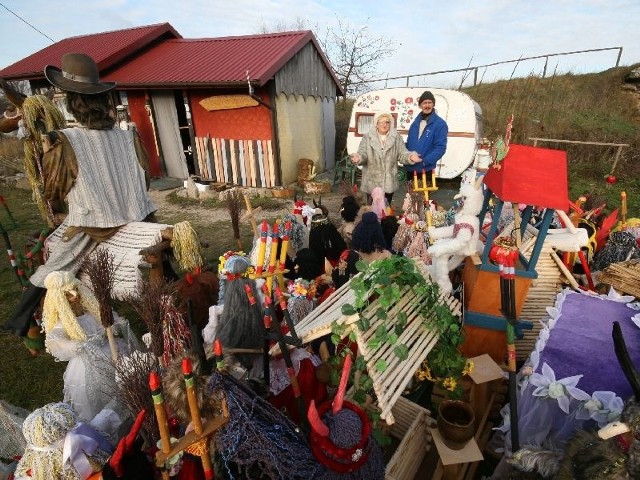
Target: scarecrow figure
74 333
99 170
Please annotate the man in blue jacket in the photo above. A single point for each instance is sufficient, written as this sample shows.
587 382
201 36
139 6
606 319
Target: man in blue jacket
427 136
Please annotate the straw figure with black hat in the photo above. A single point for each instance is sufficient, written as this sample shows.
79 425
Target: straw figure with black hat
349 211
100 171
427 136
324 238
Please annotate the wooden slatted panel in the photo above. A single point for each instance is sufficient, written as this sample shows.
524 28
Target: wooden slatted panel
542 294
260 160
218 159
267 164
243 165
234 162
418 335
272 167
209 153
242 162
252 163
226 166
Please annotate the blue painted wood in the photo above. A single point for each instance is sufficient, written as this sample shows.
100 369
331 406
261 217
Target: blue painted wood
537 248
491 322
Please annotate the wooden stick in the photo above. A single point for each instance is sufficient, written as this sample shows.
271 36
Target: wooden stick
112 344
194 410
161 416
251 215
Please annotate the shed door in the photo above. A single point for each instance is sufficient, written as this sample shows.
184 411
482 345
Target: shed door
171 148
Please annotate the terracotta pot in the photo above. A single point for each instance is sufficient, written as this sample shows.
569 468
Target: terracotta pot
456 423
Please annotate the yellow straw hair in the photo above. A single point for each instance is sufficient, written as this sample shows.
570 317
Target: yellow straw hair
186 246
36 110
57 308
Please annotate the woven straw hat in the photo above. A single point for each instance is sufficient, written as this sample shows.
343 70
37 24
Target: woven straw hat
79 74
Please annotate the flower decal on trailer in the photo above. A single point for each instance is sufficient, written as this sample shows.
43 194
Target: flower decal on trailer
562 390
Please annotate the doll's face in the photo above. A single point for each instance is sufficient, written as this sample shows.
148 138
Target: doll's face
73 296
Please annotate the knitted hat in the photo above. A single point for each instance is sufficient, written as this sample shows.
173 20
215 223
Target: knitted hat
341 437
308 265
426 95
367 236
349 209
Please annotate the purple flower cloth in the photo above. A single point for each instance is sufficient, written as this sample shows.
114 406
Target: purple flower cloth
581 343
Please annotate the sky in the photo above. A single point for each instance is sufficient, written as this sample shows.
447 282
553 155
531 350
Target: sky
425 36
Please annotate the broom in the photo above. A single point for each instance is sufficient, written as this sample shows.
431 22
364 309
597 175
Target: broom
100 269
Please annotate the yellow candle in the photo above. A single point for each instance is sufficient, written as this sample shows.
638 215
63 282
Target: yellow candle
285 244
273 259
415 180
262 247
424 178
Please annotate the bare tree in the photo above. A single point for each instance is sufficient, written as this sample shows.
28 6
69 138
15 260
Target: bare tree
354 54
284 26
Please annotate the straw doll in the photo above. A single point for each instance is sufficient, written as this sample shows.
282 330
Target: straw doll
74 333
50 428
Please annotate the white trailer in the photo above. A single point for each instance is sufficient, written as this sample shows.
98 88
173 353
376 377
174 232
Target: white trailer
462 114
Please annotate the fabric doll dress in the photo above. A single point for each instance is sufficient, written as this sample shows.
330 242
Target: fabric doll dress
89 380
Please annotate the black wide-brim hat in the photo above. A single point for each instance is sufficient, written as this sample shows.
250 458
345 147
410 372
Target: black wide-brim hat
79 73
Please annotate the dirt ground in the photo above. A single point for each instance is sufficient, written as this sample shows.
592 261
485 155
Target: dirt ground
333 200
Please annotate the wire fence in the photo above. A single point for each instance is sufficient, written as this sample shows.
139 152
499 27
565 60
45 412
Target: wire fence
474 71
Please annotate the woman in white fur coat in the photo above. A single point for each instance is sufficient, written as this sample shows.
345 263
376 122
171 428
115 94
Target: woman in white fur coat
379 152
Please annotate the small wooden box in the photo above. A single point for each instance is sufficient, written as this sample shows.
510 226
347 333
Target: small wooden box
412 427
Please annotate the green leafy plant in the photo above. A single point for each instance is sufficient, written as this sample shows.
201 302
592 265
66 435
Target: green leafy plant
385 282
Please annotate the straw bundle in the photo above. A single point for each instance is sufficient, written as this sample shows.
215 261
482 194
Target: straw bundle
623 276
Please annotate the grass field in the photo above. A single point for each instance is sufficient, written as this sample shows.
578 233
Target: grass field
29 382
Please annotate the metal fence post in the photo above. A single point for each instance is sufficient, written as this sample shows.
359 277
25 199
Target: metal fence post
618 59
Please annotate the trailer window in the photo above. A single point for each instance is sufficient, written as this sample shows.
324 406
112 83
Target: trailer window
364 122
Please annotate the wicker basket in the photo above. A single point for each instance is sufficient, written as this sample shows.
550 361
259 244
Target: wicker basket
315 188
283 192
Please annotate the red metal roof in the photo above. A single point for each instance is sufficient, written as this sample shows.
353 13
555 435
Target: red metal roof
531 176
105 48
221 61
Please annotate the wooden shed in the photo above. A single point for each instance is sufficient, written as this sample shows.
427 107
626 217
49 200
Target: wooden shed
239 110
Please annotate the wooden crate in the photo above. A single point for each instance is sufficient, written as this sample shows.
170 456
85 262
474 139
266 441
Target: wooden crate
411 427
